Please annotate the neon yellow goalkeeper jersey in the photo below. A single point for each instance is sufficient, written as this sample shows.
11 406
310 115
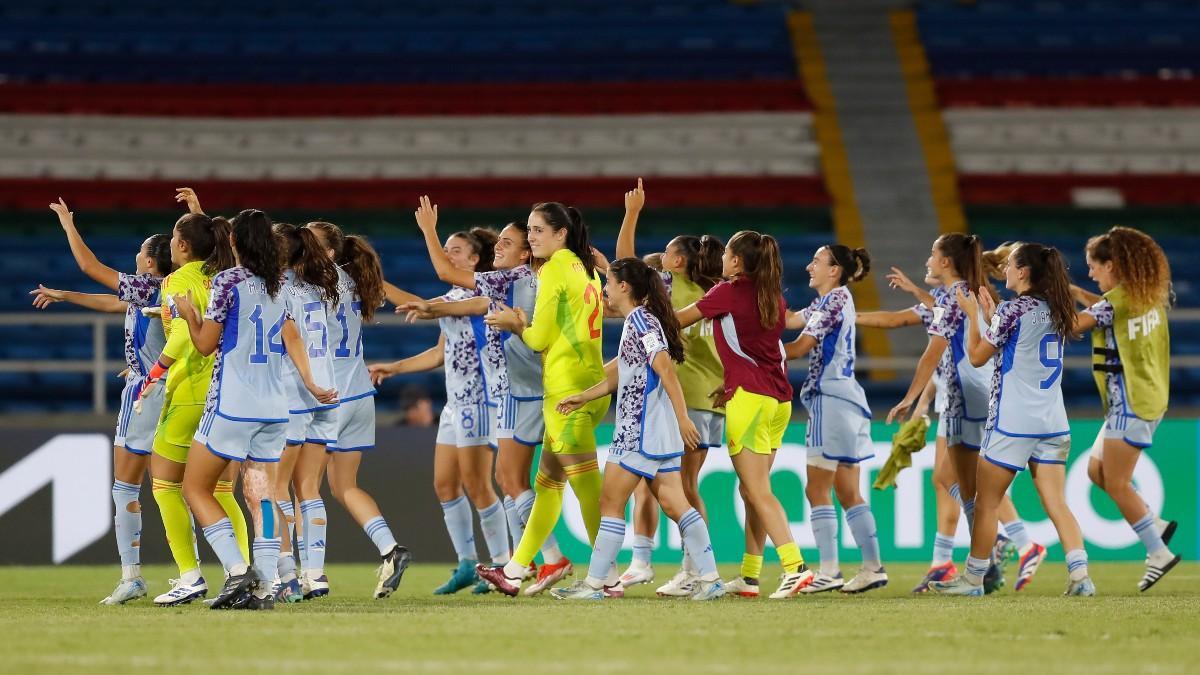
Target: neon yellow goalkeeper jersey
567 322
190 375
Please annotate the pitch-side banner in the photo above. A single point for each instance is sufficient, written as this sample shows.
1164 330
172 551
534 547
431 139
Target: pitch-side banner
56 505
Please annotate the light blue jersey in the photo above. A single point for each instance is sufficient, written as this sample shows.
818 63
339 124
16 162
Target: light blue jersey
465 339
968 389
346 340
144 337
306 304
522 367
830 320
646 422
1026 391
248 379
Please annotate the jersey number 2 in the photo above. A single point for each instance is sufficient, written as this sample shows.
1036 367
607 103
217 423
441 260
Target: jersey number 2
589 296
274 343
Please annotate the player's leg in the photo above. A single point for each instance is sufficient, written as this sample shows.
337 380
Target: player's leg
128 469
601 579
475 471
456 513
519 434
289 583
945 486
166 470
645 526
204 470
343 481
861 522
965 462
668 489
1120 458
312 535
824 521
1049 472
993 480
1014 542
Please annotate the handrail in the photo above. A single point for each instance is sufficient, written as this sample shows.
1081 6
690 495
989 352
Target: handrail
99 366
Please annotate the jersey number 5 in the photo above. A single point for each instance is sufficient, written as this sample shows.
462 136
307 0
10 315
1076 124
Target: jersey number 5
591 296
274 343
1051 358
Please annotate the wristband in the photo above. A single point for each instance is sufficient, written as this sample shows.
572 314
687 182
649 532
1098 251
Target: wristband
156 372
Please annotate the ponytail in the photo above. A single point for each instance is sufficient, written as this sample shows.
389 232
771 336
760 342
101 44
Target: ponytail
209 241
761 263
855 262
966 254
258 248
647 288
360 261
995 259
301 251
483 244
558 216
703 256
1049 281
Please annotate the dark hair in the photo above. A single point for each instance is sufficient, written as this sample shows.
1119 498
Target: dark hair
258 248
762 264
209 240
483 244
359 260
301 252
1138 263
647 288
965 252
1049 281
855 262
703 255
558 217
523 226
159 248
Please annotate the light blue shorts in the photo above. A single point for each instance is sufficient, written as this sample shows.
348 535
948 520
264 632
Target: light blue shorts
319 427
1016 452
962 431
355 426
646 467
1133 430
135 431
239 441
466 426
837 433
711 426
520 420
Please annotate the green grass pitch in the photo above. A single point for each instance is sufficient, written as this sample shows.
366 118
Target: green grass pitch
50 622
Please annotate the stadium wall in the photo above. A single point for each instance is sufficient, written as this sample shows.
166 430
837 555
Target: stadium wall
56 507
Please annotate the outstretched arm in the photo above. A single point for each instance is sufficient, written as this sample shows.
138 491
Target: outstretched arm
800 346
100 302
398 296
896 319
88 263
898 279
427 360
1084 297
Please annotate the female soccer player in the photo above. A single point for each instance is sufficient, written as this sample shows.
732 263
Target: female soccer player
748 314
199 249
245 414
653 428
310 287
839 425
143 342
1027 422
1131 348
567 330
690 267
360 294
462 456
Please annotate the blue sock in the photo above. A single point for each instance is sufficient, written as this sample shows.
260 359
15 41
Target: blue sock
457 514
608 543
643 547
943 549
315 526
224 544
516 526
266 559
1017 532
976 568
698 544
1148 533
969 511
862 527
381 535
128 521
824 522
495 532
524 504
1077 564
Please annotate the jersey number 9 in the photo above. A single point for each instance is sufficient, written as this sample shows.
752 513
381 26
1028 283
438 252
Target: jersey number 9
1051 357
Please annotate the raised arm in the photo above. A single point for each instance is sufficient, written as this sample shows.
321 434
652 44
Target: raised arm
898 279
635 199
100 302
398 296
88 263
1084 297
427 215
896 319
689 315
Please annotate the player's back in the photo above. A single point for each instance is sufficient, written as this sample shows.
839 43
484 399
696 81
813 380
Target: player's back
1027 397
248 378
346 341
307 307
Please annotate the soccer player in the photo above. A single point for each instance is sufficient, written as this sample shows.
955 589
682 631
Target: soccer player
310 287
839 419
462 456
143 341
653 428
748 313
567 330
690 267
1027 422
199 249
361 291
1131 348
245 413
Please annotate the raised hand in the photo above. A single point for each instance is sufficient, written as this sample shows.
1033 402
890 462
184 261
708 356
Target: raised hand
427 215
415 310
44 297
188 196
65 217
635 199
987 303
898 279
967 301
572 403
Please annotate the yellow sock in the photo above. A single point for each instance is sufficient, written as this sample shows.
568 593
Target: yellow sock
224 495
177 522
547 507
587 484
789 557
751 566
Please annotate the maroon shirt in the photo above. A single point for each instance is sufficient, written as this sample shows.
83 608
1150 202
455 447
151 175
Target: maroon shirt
752 355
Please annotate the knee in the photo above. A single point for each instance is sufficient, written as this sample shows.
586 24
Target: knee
849 501
610 506
446 490
1095 472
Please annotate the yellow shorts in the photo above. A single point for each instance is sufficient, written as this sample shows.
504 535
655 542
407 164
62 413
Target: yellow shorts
572 434
756 422
175 430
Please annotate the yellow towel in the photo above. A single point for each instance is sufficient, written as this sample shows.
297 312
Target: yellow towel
909 439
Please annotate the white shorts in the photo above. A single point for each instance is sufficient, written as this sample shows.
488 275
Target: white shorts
1133 430
962 431
711 426
465 426
837 433
318 427
356 426
135 431
646 467
520 420
1016 452
238 441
